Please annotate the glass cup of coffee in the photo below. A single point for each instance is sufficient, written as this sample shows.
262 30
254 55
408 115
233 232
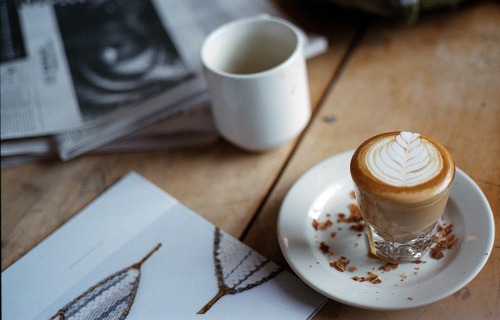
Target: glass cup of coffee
402 182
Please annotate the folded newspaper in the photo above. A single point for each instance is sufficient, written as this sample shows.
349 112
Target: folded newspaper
79 75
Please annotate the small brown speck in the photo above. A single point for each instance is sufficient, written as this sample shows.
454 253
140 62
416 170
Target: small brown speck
321 225
373 278
340 264
358 227
324 247
388 266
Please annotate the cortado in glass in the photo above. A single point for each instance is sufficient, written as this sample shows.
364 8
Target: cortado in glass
402 181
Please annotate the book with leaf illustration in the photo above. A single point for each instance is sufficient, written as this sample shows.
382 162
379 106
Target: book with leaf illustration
138 253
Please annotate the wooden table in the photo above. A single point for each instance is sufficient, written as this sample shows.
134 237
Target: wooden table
440 77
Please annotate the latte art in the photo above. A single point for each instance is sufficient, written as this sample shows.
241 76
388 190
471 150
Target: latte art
402 181
404 160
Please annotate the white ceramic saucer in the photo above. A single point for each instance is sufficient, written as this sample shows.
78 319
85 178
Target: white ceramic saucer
325 190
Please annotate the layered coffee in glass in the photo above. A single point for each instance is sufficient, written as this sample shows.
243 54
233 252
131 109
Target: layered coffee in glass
402 184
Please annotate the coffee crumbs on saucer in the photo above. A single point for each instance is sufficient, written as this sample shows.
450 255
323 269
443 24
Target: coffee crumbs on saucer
325 248
333 234
444 231
321 225
353 268
410 298
340 264
444 240
388 266
354 217
359 227
373 278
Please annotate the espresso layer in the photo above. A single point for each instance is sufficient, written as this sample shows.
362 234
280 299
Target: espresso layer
402 167
401 222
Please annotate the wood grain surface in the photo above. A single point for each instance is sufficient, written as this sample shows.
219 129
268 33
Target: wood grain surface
439 77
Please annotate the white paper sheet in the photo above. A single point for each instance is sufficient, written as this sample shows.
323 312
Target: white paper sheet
117 230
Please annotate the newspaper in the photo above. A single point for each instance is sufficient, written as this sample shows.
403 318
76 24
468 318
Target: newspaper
86 73
188 128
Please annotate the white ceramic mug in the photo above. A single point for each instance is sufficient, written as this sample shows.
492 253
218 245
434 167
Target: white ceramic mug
257 82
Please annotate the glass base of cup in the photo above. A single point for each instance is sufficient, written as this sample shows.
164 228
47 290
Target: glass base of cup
400 252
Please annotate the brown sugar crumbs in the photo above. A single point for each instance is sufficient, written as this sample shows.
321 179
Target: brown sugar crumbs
354 217
324 248
444 231
388 266
321 225
373 278
359 227
340 264
444 240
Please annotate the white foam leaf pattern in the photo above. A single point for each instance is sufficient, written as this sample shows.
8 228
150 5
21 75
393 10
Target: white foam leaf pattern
407 160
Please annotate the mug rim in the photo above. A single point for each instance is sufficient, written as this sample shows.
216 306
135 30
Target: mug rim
255 19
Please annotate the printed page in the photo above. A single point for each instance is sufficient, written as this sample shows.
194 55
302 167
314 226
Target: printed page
37 95
138 253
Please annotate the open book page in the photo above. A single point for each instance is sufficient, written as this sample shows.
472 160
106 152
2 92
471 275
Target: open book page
137 244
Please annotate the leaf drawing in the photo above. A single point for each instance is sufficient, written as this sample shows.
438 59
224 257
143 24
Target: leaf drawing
109 299
237 268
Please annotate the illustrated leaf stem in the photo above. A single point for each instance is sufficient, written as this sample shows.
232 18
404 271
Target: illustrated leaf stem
251 265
